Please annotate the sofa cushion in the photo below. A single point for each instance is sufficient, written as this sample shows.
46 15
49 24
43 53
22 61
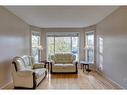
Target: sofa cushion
31 60
19 63
69 65
63 65
38 65
27 60
60 68
63 58
59 60
28 67
39 72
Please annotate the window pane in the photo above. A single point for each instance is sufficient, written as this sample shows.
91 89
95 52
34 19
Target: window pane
50 47
90 47
35 44
62 44
35 53
35 39
75 47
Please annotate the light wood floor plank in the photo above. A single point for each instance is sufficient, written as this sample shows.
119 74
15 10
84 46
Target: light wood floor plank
82 80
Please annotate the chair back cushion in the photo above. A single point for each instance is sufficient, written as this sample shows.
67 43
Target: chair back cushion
27 60
19 63
24 62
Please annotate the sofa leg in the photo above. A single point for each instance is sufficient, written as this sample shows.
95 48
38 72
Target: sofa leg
51 68
34 81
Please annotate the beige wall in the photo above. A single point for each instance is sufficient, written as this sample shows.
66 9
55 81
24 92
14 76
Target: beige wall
14 41
113 31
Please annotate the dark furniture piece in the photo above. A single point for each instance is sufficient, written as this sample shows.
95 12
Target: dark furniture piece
86 65
45 63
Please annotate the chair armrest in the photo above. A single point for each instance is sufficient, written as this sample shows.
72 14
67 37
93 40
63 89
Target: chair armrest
25 78
25 73
41 65
52 62
76 63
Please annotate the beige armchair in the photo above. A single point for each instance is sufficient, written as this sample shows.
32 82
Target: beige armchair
63 63
27 74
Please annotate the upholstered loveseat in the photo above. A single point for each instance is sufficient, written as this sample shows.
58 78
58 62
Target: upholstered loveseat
26 73
63 63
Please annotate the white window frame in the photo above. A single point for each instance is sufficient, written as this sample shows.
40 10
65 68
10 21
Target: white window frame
54 41
38 44
86 33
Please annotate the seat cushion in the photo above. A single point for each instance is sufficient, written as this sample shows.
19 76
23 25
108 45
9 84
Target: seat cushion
68 65
39 72
63 68
59 64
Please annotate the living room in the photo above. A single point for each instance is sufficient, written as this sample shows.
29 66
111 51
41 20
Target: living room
45 31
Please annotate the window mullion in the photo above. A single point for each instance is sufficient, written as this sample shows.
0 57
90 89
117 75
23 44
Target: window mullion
54 44
71 42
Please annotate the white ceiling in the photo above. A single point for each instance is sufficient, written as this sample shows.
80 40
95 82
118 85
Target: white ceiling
61 16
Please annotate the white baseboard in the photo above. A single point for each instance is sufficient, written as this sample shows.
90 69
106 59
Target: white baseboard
112 81
4 86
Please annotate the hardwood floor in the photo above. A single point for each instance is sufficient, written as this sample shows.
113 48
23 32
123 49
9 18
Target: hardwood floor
82 80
